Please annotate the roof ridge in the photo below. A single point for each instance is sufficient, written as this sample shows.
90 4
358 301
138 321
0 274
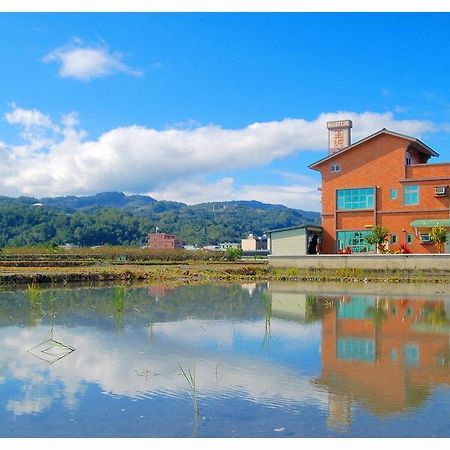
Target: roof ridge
371 136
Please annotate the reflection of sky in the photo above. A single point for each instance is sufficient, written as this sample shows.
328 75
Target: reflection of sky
229 361
125 380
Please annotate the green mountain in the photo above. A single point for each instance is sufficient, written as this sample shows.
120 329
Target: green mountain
118 219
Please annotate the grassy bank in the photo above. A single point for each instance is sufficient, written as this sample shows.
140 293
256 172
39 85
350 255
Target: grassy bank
202 271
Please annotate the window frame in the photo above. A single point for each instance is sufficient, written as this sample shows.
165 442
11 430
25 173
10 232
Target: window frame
408 159
394 194
347 197
407 195
334 168
355 239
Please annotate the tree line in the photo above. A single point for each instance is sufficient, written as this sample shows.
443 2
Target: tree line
24 224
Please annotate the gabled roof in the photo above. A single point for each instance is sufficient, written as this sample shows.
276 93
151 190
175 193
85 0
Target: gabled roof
418 144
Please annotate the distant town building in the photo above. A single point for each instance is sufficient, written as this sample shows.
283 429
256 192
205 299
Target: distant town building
191 247
222 247
211 248
163 241
253 243
225 245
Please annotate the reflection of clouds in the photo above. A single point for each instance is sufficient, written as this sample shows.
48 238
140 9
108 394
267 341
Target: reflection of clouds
202 333
115 365
33 401
28 405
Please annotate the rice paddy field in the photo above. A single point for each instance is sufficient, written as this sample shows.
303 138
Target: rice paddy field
56 265
240 359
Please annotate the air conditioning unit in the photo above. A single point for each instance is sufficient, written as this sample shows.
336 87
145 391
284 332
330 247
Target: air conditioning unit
440 190
425 238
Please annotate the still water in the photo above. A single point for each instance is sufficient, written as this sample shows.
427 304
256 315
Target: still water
255 360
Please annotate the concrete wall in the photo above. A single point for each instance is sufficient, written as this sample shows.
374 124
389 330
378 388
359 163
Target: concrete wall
288 241
370 261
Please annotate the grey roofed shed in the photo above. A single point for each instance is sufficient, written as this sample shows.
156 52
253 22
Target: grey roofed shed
293 241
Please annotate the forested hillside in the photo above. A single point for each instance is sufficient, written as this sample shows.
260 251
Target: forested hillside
116 219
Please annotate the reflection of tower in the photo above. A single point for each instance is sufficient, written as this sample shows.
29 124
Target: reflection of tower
249 287
339 412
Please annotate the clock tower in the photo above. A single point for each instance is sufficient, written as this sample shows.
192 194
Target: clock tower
339 135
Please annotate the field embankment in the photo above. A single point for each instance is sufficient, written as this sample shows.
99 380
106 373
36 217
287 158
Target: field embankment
129 264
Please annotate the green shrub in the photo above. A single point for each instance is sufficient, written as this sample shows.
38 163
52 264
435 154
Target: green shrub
233 254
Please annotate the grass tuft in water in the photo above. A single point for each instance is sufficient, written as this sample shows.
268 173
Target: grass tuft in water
119 298
34 294
190 378
268 317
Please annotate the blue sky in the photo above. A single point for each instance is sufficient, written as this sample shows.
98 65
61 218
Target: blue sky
208 107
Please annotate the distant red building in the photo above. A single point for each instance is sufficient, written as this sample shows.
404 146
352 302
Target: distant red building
163 241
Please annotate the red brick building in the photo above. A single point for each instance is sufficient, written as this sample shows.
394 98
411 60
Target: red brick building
384 179
163 241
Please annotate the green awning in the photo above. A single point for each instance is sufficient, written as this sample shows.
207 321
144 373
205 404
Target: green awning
430 223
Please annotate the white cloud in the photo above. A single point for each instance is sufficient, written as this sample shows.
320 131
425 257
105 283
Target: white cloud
173 163
84 62
29 118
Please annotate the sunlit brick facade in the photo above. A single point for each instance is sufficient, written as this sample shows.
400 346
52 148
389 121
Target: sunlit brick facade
385 180
163 241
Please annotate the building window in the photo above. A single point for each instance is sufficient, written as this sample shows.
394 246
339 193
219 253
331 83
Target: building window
356 240
409 238
355 198
411 195
393 355
408 159
425 237
335 168
393 239
411 355
356 349
356 309
393 194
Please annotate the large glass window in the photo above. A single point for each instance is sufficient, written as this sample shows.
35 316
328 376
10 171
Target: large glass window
356 349
410 195
355 198
356 240
356 308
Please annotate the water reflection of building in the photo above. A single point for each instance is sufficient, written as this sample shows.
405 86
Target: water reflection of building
386 354
159 291
290 304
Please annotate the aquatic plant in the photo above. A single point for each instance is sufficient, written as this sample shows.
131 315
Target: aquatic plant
312 309
119 298
34 293
267 299
190 379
